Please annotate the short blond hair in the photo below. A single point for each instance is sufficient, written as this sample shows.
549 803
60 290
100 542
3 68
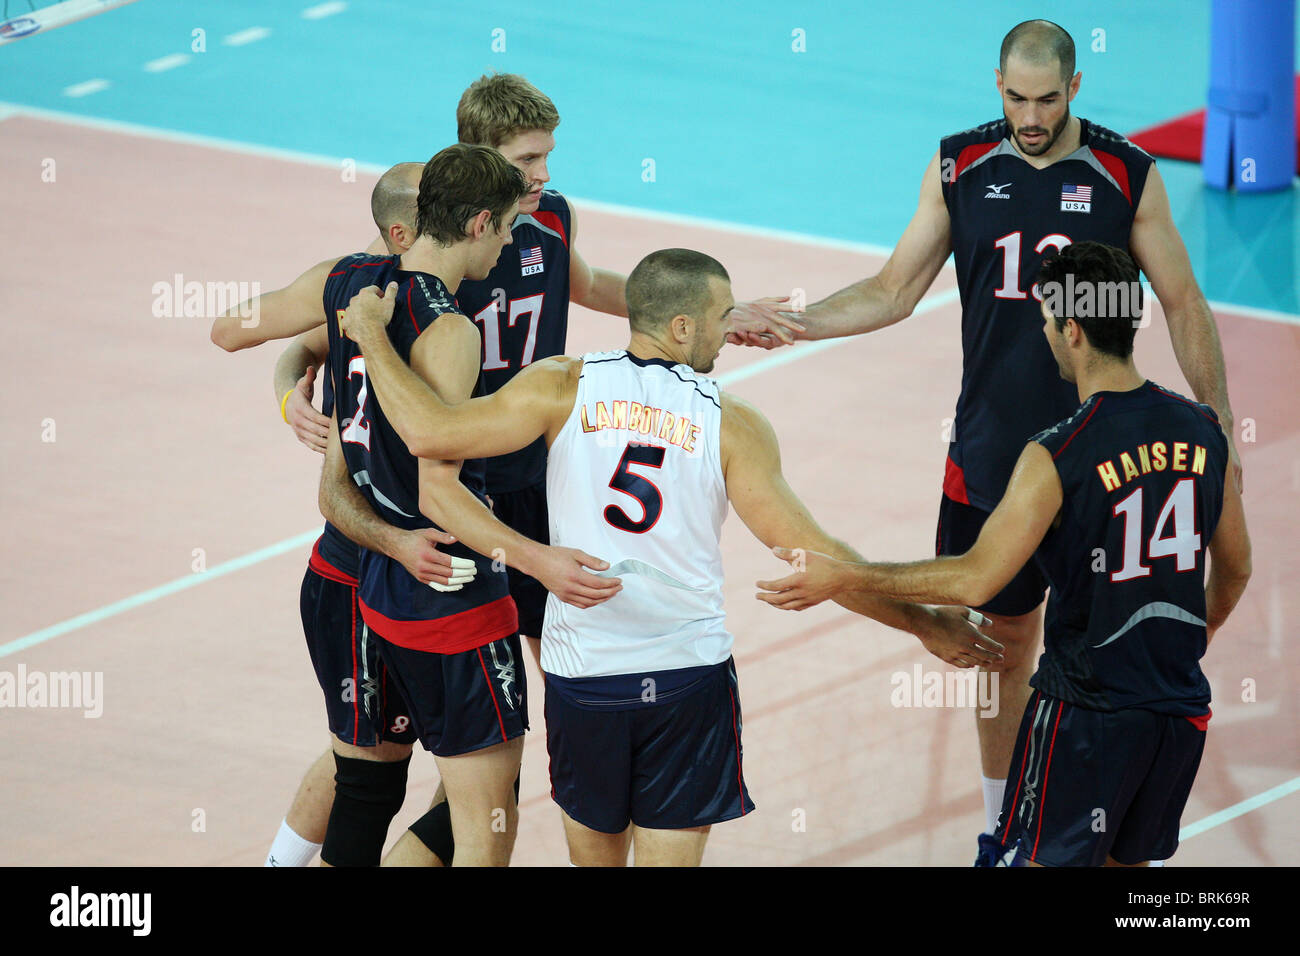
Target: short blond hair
500 106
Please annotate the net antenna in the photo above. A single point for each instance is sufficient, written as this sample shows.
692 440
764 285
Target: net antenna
40 17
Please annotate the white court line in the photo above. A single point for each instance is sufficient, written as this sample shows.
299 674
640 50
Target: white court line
86 88
168 62
1237 809
773 361
251 35
323 10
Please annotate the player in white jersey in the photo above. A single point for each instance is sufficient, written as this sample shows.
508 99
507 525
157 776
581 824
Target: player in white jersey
642 710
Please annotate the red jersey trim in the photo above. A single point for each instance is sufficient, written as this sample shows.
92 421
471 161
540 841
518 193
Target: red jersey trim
326 570
969 155
1079 429
1115 166
954 482
552 221
1178 398
451 634
1202 723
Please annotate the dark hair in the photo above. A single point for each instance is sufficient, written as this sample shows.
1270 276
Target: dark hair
668 283
459 183
1097 286
1039 41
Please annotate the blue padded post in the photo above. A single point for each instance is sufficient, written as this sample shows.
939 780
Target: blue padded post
1250 120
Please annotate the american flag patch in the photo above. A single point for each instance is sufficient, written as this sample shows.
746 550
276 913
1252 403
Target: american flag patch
530 258
1076 198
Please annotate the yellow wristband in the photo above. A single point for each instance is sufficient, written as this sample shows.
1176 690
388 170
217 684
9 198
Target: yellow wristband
285 401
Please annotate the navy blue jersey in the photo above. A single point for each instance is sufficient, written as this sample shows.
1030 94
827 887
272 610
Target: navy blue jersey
522 308
393 603
1006 218
335 555
1142 474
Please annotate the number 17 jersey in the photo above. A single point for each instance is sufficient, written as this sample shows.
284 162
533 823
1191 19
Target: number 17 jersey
635 477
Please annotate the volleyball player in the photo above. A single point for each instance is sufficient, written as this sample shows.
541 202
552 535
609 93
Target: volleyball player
1118 504
1000 197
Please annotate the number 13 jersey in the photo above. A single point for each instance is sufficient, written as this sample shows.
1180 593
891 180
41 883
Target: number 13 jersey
635 477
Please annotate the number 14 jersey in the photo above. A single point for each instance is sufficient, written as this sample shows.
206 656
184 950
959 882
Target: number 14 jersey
635 477
1142 477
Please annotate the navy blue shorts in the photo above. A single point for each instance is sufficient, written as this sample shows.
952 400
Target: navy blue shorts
669 765
363 705
1085 784
525 511
462 702
959 528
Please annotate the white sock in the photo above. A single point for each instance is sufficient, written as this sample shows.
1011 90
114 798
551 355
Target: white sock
993 793
1156 863
289 849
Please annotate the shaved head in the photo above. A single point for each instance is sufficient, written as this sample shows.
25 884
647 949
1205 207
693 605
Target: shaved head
1041 43
393 200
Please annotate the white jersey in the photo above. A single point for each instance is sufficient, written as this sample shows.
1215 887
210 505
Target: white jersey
635 477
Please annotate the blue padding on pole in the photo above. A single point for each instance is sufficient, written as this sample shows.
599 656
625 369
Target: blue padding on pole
1250 121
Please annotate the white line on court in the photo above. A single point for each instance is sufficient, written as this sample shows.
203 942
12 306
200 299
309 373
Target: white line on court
1237 809
86 88
774 361
168 62
251 35
323 10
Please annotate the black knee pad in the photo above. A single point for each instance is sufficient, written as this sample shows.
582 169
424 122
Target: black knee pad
434 830
367 795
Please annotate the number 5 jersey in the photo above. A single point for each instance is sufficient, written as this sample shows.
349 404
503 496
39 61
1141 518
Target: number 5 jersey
635 477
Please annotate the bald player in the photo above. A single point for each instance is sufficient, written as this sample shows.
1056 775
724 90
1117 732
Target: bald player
1001 197
366 714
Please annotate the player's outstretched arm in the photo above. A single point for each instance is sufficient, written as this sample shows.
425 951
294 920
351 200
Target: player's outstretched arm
295 387
446 356
281 314
532 404
1006 542
1159 250
600 289
751 462
881 300
1230 564
346 508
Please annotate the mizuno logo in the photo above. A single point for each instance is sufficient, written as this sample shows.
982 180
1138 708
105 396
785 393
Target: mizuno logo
995 192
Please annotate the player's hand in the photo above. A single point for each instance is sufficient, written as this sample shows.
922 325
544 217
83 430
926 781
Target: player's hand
816 578
563 572
417 551
952 637
369 312
311 427
762 324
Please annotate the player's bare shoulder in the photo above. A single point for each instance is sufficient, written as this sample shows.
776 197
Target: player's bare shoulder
746 432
